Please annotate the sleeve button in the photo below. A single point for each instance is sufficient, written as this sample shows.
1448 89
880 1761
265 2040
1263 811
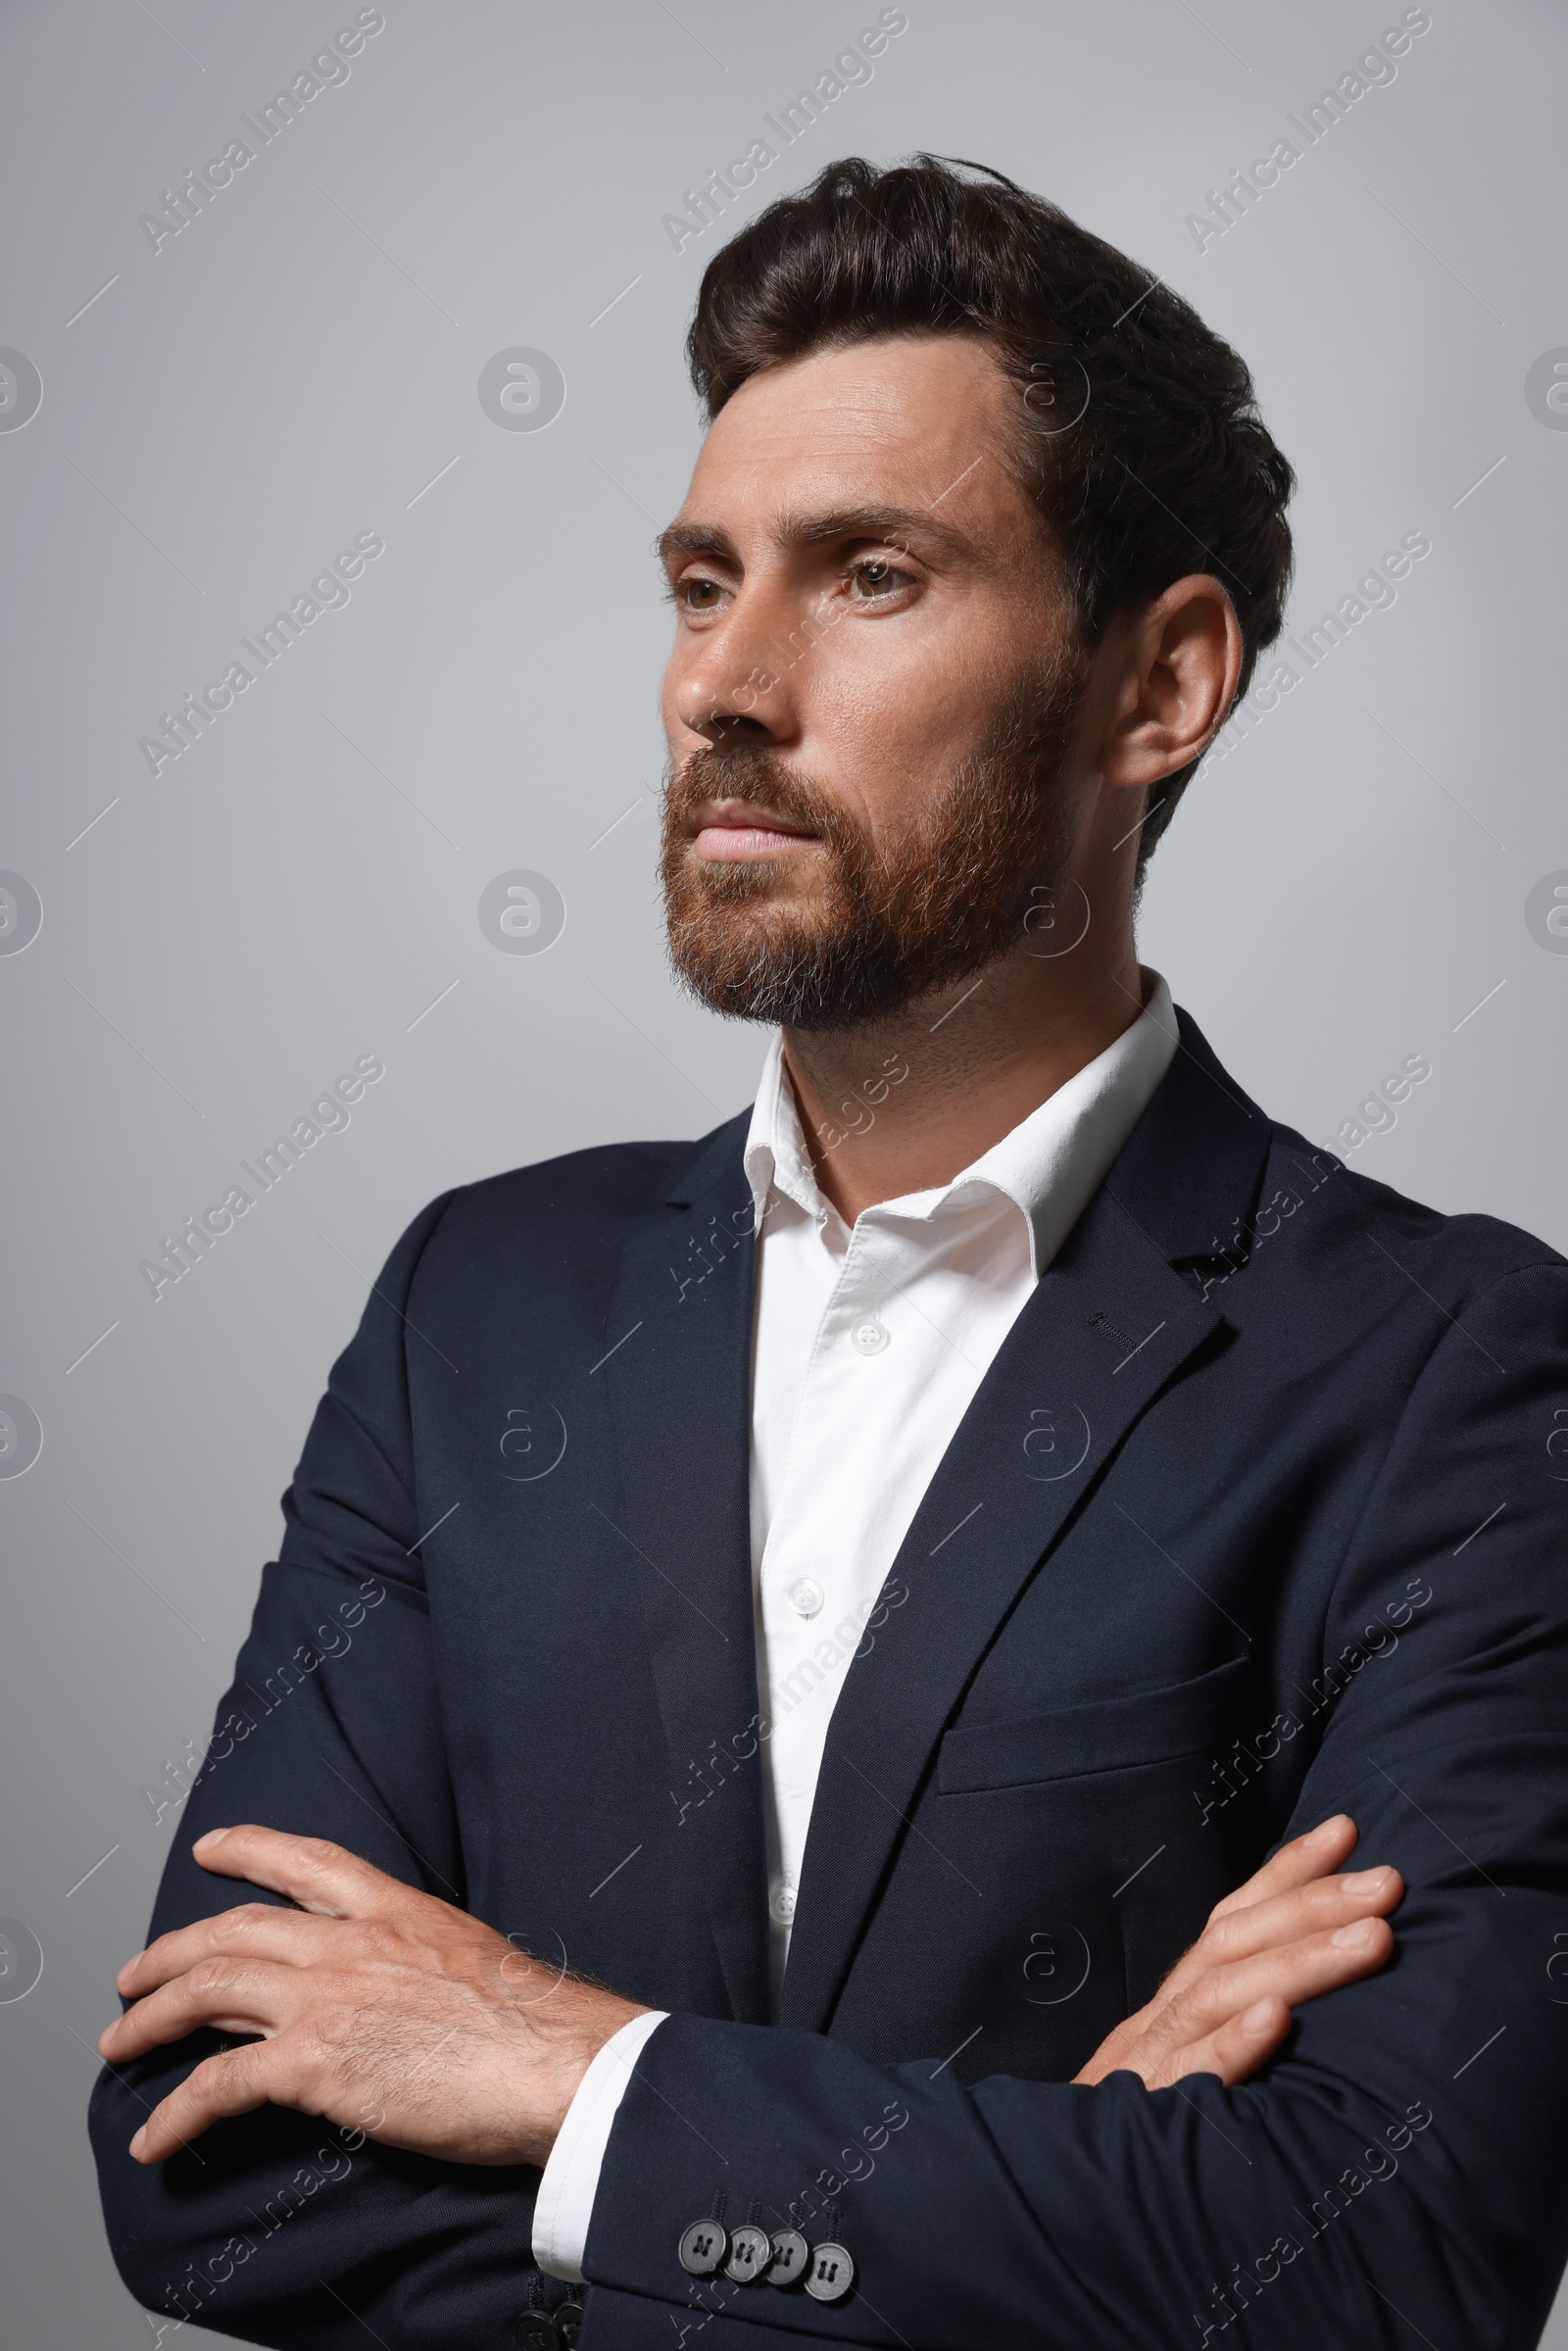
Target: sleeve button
791 2254
751 2249
831 2274
702 2248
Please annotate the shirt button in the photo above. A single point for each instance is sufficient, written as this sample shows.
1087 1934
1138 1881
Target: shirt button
807 1596
781 1902
870 1338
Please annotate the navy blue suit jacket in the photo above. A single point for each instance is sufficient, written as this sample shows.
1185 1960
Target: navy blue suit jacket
1258 1515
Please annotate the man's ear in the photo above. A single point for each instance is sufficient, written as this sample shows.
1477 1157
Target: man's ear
1175 664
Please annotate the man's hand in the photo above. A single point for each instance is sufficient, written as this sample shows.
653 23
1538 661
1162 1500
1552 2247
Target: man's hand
380 2008
1294 1930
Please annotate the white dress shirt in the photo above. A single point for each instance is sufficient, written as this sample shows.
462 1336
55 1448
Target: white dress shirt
869 1345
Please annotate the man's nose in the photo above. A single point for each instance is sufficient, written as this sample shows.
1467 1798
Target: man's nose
722 720
739 689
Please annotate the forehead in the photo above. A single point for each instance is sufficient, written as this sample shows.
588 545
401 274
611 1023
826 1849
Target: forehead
912 419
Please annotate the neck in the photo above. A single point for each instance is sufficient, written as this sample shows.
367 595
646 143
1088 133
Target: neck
906 1103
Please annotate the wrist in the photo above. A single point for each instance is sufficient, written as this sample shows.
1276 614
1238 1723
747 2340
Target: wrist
559 2067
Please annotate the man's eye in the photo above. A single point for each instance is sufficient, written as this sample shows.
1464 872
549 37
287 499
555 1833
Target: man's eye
877 578
698 595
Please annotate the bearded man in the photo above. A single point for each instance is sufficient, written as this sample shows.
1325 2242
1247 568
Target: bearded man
876 1637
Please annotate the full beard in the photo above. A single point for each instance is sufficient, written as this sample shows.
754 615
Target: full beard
942 896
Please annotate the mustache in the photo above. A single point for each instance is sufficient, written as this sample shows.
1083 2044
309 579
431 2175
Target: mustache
753 772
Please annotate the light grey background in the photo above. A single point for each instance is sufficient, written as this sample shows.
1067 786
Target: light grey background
302 886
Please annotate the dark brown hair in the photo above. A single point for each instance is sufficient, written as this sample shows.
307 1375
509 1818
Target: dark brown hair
1141 440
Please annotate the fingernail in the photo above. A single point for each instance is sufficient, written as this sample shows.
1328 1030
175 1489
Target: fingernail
1363 1882
1259 2016
1354 1937
1327 1830
207 1836
139 2142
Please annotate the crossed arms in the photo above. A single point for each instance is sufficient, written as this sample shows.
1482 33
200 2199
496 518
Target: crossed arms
400 2018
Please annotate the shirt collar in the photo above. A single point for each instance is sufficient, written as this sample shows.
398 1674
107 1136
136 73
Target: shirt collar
1050 1165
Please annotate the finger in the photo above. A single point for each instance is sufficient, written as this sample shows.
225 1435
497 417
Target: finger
1293 1973
233 2083
311 1871
1234 2050
259 1930
235 1995
1287 1918
1324 1905
1322 1850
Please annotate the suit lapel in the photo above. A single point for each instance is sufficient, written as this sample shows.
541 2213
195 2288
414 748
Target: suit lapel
678 1378
1107 1326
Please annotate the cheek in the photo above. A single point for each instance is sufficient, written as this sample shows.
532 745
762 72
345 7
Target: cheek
879 746
891 715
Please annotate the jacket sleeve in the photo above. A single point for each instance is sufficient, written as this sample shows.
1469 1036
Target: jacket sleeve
1394 2175
275 2227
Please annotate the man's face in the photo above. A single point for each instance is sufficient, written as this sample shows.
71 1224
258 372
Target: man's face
870 698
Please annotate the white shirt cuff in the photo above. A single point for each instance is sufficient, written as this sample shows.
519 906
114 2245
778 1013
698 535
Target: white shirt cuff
570 2181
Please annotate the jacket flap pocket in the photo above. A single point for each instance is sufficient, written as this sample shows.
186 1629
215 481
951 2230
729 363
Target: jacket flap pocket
1151 1726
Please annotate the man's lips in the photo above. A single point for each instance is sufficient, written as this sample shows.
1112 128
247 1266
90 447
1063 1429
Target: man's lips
731 831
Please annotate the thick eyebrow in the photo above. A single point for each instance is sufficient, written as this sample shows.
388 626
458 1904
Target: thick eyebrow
891 525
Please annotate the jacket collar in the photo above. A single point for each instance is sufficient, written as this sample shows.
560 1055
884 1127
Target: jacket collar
1192 1162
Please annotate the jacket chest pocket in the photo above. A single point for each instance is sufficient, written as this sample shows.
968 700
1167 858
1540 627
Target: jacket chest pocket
1089 1814
1110 1734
